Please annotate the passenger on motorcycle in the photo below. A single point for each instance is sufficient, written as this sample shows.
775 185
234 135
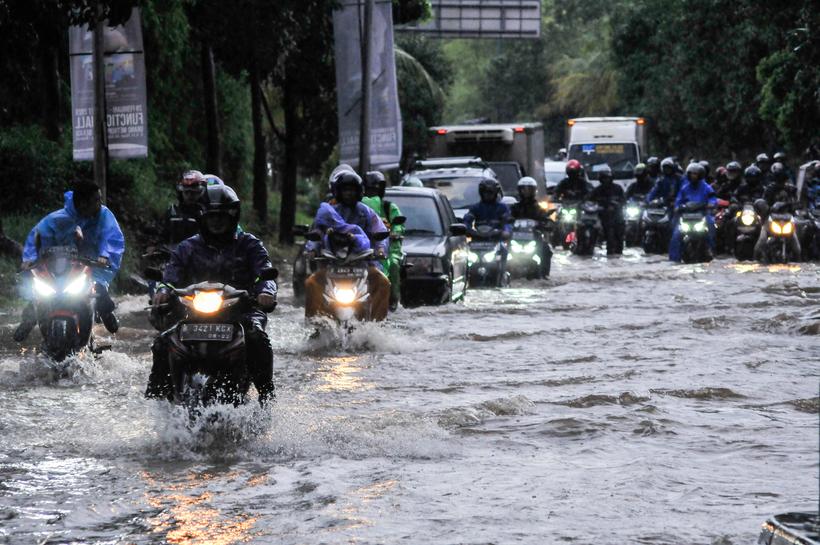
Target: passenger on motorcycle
653 168
374 189
83 221
528 207
220 254
780 189
668 185
751 188
694 190
734 177
609 196
642 185
575 186
181 218
348 190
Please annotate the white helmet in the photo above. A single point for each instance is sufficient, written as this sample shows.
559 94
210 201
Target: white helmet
527 181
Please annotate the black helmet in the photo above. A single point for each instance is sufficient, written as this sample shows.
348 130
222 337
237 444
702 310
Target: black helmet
334 176
779 172
706 166
375 183
753 173
348 178
219 201
489 186
604 173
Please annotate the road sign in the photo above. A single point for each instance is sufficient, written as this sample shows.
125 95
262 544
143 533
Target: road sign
481 19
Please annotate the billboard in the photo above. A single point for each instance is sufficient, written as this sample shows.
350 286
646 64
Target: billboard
481 19
385 116
125 94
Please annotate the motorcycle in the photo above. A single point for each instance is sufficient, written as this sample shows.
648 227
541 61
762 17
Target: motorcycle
207 355
64 301
565 226
633 212
656 232
695 233
780 228
747 229
587 227
302 267
487 259
528 247
346 291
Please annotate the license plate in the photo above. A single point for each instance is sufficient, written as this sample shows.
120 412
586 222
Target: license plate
206 332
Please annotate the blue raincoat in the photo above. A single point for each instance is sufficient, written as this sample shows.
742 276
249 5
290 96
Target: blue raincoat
360 221
703 193
102 237
496 213
666 188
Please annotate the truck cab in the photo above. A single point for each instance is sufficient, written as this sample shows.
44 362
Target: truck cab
619 142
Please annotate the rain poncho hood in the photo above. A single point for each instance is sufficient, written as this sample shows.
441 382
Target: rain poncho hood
102 237
329 217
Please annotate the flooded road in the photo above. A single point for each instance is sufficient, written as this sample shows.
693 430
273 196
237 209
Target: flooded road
627 400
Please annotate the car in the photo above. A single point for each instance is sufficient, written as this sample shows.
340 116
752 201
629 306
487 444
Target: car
554 172
459 185
435 244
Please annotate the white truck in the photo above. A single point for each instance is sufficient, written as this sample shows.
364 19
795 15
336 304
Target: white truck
512 150
619 142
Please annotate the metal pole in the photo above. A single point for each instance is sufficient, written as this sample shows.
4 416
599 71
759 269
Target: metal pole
364 131
100 125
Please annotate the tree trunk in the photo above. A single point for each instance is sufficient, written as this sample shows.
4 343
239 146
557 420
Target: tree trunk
51 90
287 213
214 155
260 167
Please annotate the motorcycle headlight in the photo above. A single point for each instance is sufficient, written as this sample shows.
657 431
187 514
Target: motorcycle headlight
788 227
529 247
207 302
632 212
344 296
747 219
700 226
76 286
472 257
516 247
685 227
489 257
43 288
775 228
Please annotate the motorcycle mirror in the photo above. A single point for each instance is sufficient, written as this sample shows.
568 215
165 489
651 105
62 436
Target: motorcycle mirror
153 273
380 236
271 273
458 229
313 236
399 220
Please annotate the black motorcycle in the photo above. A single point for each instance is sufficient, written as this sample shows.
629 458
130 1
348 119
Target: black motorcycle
747 225
655 225
207 354
487 258
587 229
780 228
64 301
565 225
633 212
530 253
694 231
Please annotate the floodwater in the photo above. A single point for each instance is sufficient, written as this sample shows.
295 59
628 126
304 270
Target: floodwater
623 401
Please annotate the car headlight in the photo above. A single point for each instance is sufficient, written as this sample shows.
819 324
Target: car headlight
207 302
489 257
42 288
747 219
632 212
700 226
76 286
344 296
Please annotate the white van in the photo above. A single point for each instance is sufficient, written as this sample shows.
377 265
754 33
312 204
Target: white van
619 142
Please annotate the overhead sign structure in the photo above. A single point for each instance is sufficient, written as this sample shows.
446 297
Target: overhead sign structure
125 94
481 19
384 115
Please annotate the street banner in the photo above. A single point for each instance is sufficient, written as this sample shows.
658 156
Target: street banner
125 93
385 116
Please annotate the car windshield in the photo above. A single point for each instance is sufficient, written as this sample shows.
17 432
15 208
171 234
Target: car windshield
553 178
421 213
508 175
621 158
460 191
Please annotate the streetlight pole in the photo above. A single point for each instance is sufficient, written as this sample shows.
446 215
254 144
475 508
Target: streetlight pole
100 124
364 130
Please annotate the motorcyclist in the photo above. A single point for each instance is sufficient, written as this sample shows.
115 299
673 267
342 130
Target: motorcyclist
348 190
780 189
181 218
219 253
609 196
764 163
694 190
491 211
667 186
751 188
710 179
528 207
374 190
782 158
83 221
726 189
574 187
642 185
813 188
653 168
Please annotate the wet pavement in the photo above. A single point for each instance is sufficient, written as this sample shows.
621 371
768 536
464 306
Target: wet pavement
624 400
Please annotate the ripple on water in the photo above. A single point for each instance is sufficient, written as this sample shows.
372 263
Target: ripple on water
707 393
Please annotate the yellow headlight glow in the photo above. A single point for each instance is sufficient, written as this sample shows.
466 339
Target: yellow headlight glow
788 227
747 219
344 296
775 228
207 302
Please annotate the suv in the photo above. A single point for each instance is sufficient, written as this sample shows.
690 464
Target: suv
459 185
